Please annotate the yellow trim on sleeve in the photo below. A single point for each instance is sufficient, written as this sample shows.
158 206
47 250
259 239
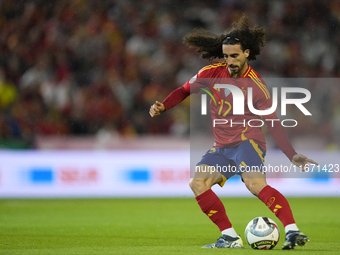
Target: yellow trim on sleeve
260 81
212 66
260 84
245 75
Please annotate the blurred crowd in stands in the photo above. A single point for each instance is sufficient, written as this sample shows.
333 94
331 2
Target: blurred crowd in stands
89 67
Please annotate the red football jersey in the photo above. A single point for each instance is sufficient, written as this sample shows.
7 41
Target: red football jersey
237 128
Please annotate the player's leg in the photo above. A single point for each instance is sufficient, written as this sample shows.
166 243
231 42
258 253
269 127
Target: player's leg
255 181
279 205
275 201
208 201
204 178
252 155
206 175
250 158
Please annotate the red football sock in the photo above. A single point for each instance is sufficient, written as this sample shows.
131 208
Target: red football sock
212 206
278 204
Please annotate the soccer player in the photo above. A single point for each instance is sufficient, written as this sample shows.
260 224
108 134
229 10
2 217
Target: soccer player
236 146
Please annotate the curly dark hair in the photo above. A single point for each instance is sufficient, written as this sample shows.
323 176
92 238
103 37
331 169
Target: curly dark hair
209 45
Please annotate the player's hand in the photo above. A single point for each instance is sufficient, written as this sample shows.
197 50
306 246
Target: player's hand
302 161
156 109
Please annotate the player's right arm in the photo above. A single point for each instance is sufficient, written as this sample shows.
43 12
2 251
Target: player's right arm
181 93
156 109
176 96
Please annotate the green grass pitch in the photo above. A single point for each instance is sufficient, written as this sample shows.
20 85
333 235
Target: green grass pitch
151 226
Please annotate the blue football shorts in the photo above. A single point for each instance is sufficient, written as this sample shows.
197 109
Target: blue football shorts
247 156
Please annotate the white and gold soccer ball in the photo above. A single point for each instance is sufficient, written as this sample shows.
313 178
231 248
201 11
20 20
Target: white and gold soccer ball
262 233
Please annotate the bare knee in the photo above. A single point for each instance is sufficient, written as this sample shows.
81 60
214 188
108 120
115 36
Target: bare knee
203 180
200 185
255 186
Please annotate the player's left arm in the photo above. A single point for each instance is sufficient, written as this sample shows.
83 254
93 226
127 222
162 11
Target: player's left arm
281 138
302 161
263 101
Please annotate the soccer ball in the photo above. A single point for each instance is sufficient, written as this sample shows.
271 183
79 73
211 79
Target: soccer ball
262 233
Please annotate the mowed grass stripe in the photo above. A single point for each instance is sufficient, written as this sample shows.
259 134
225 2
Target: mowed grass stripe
150 226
